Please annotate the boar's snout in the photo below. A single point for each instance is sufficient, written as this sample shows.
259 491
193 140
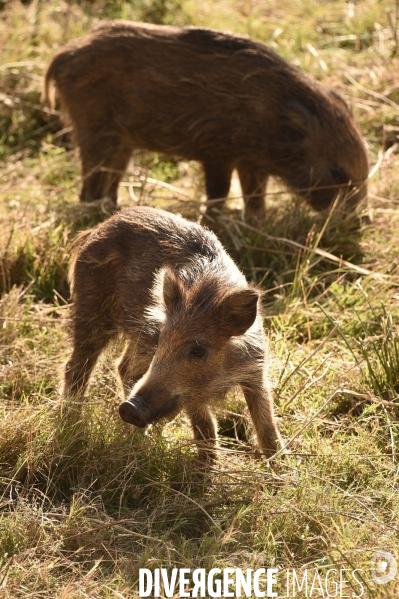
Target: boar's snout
131 411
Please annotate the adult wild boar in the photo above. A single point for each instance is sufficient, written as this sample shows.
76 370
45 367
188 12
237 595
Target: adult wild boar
191 322
224 100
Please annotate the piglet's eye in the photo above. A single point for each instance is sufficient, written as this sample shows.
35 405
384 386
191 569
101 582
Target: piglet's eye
198 351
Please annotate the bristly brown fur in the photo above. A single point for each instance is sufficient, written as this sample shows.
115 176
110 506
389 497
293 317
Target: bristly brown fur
74 248
191 321
224 100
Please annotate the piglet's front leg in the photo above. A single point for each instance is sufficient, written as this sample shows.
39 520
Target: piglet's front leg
204 427
260 404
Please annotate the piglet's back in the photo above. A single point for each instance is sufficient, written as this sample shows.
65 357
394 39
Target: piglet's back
153 238
121 256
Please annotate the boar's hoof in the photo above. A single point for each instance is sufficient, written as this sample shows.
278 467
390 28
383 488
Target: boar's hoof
129 413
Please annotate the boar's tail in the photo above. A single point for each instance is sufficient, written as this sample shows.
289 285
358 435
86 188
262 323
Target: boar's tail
74 249
50 76
48 91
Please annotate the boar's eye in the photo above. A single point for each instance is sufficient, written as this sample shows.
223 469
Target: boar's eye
338 174
198 351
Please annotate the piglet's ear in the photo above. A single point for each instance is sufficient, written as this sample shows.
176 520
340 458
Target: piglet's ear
171 289
239 311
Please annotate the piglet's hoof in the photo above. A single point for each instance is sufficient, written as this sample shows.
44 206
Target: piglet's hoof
128 412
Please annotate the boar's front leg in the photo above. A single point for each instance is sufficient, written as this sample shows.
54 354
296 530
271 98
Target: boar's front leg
253 187
205 432
260 404
134 363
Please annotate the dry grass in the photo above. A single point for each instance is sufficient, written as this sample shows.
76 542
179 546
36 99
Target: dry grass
84 505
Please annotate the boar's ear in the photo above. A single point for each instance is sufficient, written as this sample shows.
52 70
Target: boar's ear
299 116
171 289
239 311
338 98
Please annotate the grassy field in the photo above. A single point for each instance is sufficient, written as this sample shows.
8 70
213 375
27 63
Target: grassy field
84 505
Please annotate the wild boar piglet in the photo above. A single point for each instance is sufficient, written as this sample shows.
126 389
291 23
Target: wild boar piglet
191 321
226 101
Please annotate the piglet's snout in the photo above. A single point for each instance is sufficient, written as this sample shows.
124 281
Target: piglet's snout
131 411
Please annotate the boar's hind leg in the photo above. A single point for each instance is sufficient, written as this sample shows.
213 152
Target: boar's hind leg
205 432
86 350
260 404
217 181
104 162
253 188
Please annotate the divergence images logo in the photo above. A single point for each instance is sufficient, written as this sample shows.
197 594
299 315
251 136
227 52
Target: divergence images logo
383 567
